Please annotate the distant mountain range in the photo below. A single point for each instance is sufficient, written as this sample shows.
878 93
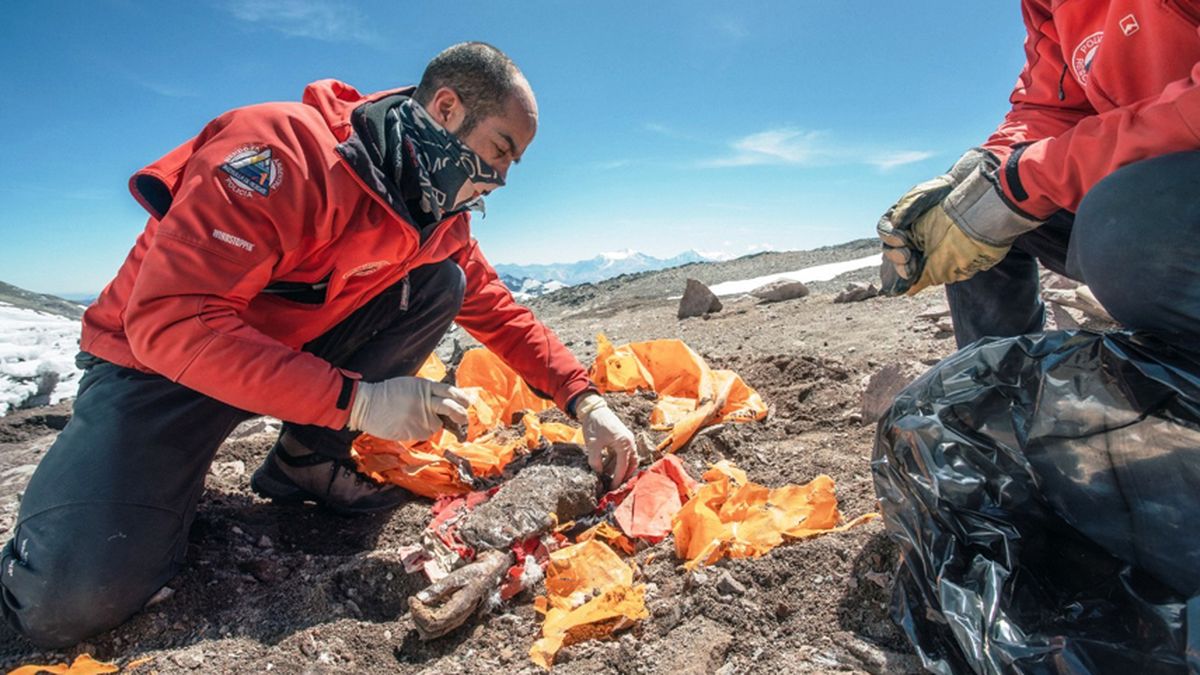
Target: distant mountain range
527 281
41 302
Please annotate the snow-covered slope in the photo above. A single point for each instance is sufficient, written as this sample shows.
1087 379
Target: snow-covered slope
37 357
815 273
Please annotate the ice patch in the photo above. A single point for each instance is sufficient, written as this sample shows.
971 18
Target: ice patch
36 349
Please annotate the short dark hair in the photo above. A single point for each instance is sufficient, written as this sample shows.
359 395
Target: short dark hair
482 76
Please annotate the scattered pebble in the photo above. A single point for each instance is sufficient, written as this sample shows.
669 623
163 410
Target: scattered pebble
727 585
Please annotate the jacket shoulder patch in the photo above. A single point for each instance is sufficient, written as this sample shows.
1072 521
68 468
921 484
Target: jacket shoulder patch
252 170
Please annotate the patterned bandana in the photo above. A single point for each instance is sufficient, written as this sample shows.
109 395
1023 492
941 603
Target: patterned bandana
450 173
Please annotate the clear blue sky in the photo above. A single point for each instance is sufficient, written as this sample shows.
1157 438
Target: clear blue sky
718 126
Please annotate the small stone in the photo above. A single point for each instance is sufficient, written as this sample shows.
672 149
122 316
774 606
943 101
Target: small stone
727 585
857 292
697 300
778 291
264 570
506 655
162 595
934 313
229 470
264 542
699 578
387 635
237 530
191 659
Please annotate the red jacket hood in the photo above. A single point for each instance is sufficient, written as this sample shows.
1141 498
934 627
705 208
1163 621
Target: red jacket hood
336 101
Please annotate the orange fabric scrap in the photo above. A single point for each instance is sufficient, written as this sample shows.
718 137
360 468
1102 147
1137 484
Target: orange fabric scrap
589 594
84 664
656 495
429 467
610 534
732 517
550 432
691 395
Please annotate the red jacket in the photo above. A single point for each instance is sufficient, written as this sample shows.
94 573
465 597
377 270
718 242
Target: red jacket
267 194
1106 83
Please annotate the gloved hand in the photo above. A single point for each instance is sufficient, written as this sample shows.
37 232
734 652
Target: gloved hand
950 228
610 446
406 408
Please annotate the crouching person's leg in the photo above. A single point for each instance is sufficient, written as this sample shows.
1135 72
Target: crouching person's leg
390 336
1004 301
1137 245
104 520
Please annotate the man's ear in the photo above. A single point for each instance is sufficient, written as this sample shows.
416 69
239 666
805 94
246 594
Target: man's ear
446 108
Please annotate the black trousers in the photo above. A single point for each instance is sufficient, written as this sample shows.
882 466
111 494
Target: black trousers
1135 242
104 520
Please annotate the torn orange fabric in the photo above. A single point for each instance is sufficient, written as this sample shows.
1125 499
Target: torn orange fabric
433 369
691 395
429 467
609 534
481 368
653 499
589 594
551 432
729 516
84 664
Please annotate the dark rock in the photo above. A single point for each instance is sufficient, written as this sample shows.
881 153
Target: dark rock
882 389
697 300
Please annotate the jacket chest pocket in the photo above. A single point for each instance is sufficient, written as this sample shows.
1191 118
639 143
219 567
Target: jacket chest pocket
303 292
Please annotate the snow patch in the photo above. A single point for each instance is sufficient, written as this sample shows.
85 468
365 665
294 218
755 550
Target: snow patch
808 274
37 356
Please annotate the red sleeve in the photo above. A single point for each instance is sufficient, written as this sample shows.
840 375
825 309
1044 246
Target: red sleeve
1054 146
492 316
1057 172
1045 101
213 252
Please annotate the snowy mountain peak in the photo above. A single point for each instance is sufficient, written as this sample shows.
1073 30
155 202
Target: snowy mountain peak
619 255
604 266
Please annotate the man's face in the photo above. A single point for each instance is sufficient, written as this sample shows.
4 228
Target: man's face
500 140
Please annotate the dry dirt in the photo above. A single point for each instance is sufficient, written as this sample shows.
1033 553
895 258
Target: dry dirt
297 590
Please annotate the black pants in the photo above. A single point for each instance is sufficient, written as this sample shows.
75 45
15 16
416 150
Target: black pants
1135 242
104 520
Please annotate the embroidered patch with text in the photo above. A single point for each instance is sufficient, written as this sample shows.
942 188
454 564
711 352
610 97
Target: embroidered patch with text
252 170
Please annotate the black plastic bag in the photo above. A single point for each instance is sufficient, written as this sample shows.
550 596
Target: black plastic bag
1044 492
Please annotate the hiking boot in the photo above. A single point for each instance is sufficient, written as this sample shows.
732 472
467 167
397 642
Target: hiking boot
292 474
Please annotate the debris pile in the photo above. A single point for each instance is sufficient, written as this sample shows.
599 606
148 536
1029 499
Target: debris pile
520 510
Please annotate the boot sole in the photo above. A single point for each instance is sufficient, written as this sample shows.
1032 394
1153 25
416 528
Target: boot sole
289 495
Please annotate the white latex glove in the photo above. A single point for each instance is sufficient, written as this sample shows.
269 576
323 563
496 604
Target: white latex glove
406 408
610 446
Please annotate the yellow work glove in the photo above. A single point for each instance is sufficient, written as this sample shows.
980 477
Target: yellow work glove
950 228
